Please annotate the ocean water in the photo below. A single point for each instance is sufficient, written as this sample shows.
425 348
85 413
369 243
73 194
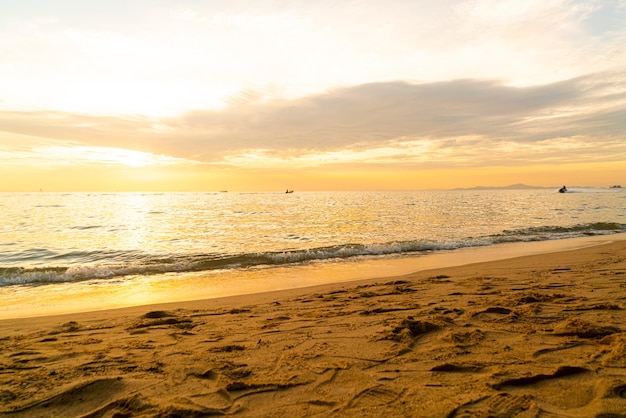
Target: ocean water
71 237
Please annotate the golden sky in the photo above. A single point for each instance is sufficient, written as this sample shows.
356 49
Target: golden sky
155 95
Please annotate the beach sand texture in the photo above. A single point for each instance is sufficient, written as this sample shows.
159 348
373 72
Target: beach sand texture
541 335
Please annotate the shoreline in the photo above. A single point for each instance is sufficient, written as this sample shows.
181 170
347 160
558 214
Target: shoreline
85 297
522 336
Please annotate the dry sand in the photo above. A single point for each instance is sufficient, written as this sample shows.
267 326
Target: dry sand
541 335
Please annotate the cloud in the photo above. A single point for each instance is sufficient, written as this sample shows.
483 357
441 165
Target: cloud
461 122
376 113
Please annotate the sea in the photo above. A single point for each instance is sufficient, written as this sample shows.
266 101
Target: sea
73 251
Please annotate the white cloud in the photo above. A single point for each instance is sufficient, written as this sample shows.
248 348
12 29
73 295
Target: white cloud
462 122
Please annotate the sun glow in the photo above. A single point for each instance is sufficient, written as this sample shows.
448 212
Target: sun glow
222 95
109 156
130 158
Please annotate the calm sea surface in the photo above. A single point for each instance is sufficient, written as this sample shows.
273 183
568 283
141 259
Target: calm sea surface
51 238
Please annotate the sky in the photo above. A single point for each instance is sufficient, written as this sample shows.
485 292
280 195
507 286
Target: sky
265 95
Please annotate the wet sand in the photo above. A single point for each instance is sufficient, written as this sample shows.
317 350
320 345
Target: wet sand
539 335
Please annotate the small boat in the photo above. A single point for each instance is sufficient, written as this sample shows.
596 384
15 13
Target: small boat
288 191
563 189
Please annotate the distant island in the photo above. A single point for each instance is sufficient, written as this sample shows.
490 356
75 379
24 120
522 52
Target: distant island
518 186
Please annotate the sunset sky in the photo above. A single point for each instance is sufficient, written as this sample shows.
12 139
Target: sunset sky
153 95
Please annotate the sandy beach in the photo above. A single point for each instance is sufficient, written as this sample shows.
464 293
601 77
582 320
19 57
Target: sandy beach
539 335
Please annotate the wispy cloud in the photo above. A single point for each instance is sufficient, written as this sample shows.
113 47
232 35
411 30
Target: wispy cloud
464 122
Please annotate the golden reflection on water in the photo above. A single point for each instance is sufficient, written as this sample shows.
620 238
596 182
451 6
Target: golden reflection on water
165 224
133 217
120 236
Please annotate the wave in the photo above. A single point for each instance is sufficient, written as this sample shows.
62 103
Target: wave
114 265
542 233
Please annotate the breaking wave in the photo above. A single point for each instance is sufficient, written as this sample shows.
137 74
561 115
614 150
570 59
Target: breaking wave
107 266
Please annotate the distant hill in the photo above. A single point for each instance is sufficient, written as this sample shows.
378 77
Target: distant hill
518 186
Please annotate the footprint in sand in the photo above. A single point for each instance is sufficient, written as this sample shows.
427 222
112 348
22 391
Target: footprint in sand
496 314
374 396
620 391
575 327
503 405
155 319
458 368
530 380
569 387
413 329
467 339
78 400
